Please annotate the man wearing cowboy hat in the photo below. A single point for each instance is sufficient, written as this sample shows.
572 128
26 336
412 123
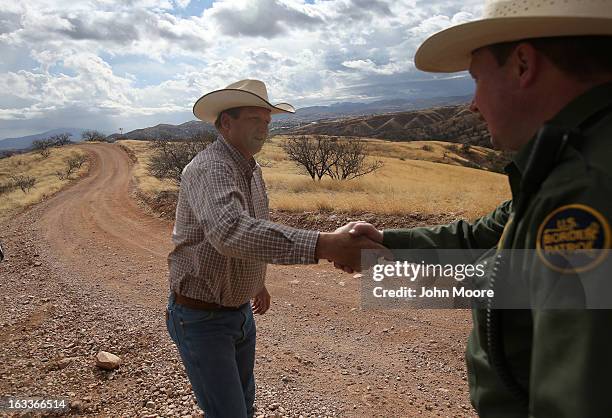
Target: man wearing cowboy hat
543 74
223 239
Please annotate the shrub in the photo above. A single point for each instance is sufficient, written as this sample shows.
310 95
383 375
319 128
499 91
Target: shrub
171 157
93 136
427 148
25 183
73 163
453 147
43 146
60 140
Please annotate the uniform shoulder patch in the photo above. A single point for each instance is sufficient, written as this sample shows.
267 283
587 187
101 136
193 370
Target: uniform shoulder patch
571 238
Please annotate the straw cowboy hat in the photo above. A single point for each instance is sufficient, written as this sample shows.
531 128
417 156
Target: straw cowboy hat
512 20
238 94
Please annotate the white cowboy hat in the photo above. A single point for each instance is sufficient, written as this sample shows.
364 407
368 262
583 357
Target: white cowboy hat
238 94
512 20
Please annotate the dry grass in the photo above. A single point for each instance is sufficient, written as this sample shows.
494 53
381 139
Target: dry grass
145 182
47 182
411 180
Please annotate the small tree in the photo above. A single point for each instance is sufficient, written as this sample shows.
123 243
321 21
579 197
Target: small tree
171 157
60 140
313 154
339 159
350 161
25 183
43 147
93 136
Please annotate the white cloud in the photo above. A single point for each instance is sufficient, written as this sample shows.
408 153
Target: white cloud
368 65
181 3
134 61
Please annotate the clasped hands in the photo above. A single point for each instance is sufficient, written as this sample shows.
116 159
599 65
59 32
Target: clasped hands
344 246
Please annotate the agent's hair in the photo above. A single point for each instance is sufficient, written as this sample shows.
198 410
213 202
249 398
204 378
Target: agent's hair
234 113
580 57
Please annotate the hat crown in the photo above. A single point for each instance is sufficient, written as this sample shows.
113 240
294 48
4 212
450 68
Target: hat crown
252 86
547 8
243 93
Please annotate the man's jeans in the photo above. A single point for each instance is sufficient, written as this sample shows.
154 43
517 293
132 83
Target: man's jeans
218 352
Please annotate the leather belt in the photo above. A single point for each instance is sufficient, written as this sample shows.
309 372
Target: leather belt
200 304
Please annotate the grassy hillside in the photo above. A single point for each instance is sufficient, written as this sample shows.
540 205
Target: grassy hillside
413 179
43 170
448 123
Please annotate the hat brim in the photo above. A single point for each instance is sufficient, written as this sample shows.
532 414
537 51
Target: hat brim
450 50
208 107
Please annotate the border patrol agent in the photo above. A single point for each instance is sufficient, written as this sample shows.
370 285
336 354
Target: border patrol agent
543 73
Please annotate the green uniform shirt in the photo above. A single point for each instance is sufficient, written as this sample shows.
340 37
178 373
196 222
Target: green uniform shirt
561 358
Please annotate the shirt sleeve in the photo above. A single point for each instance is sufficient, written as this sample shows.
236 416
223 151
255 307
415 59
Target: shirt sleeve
570 361
484 233
219 206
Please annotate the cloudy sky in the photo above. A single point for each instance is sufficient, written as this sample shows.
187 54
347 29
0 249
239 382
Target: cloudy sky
110 64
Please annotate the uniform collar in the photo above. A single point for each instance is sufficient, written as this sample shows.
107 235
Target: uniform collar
570 117
246 166
584 106
517 166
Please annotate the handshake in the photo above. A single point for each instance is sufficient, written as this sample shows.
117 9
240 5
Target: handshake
344 246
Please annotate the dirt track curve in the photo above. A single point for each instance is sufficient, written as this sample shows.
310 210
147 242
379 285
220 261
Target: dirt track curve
86 271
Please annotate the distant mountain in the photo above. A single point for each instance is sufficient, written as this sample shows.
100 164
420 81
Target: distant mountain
167 131
448 123
26 141
284 122
343 109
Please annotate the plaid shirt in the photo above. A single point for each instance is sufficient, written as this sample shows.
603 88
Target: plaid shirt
222 236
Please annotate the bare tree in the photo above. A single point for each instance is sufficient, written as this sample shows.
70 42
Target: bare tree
313 154
93 136
171 157
350 161
60 140
339 159
25 183
43 147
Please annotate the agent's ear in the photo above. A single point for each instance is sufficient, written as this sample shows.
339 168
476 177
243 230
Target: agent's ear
225 121
527 63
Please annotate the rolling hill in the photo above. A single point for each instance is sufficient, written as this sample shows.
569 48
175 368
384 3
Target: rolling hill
449 123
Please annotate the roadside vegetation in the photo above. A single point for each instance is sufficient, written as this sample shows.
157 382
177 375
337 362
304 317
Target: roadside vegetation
427 177
28 178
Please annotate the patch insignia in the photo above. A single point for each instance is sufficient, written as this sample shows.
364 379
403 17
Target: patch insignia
570 237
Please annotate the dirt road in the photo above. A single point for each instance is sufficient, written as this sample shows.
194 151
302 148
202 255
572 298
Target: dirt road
86 271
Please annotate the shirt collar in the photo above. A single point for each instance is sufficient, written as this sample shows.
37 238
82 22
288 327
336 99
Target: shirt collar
246 166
